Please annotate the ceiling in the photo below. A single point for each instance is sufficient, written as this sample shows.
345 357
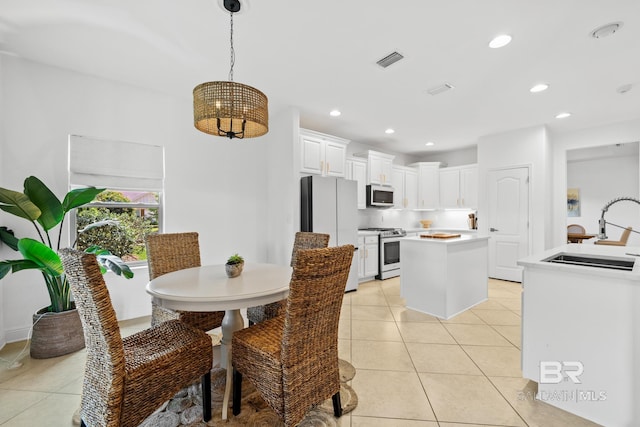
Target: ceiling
321 55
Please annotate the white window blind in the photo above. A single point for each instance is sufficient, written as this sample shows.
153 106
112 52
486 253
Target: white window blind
115 164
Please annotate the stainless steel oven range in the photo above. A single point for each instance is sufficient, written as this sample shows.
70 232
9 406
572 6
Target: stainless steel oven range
388 251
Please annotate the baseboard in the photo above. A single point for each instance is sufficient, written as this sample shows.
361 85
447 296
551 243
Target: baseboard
13 335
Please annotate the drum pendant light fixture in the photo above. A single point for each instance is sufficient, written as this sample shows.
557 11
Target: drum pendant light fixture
227 108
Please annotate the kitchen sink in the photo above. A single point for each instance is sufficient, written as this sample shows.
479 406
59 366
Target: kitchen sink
613 263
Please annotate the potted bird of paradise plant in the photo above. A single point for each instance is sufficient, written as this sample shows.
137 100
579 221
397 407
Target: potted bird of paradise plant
57 329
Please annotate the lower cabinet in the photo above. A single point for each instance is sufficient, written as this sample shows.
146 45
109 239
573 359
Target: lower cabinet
368 249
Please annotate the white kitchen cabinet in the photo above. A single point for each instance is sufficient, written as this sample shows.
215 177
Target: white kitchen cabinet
368 248
459 187
405 185
322 154
469 186
428 184
357 171
379 167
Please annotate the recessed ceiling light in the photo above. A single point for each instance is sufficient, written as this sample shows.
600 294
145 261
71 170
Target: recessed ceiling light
500 41
389 131
563 115
624 88
539 88
335 113
430 144
436 90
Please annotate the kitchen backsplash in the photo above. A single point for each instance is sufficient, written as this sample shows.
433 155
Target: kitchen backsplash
393 218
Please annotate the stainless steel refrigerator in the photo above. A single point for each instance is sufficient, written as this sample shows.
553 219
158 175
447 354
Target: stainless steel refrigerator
329 205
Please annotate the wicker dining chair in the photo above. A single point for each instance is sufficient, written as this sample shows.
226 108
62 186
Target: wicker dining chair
577 229
303 240
127 379
292 360
170 252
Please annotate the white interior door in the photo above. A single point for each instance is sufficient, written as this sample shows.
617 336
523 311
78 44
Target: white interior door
508 222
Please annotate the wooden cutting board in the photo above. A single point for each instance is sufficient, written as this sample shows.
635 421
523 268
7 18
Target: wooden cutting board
439 236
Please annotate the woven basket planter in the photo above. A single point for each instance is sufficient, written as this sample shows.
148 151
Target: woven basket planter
56 334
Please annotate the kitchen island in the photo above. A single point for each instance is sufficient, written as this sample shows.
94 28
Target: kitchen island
581 330
444 276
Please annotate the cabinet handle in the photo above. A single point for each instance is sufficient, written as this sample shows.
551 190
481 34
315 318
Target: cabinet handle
328 167
462 202
321 166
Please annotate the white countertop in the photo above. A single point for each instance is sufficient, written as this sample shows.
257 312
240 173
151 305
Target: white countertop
464 238
368 233
441 230
625 252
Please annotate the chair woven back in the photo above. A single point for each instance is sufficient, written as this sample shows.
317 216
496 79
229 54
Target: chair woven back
310 337
127 379
172 252
105 367
303 240
575 228
308 240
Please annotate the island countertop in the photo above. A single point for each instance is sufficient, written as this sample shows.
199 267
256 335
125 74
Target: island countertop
464 238
631 253
582 314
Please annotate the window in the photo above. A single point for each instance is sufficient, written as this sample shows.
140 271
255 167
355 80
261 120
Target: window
128 217
130 208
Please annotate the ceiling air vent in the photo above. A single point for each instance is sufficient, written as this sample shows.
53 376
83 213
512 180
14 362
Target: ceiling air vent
439 89
392 58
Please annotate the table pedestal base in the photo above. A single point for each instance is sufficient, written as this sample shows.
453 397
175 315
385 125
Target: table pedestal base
231 322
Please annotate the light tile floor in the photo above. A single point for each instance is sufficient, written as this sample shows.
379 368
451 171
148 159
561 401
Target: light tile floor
413 370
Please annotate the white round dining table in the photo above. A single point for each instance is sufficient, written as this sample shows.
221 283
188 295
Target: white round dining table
207 288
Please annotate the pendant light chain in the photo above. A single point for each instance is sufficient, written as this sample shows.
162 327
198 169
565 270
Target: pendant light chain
232 59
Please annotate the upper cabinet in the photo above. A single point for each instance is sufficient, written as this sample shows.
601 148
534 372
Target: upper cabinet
357 171
428 184
322 154
405 185
379 167
459 187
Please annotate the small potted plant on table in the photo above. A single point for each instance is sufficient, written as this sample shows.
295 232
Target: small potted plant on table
234 265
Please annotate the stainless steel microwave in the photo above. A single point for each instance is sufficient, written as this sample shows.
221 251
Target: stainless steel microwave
379 196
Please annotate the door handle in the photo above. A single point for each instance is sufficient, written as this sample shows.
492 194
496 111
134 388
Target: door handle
493 229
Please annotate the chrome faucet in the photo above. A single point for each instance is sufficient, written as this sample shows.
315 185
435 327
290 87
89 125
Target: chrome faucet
602 223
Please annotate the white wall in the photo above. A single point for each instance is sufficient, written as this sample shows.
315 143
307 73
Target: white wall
2 169
464 156
399 159
280 214
389 218
523 147
215 186
622 132
600 180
